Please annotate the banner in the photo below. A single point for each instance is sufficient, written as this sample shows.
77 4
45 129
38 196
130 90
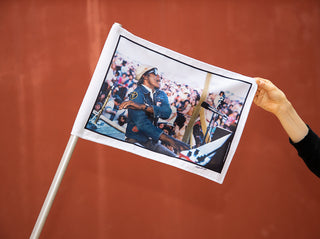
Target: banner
162 105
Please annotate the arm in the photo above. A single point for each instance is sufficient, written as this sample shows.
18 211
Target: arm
272 99
136 106
149 129
137 113
176 144
306 142
162 110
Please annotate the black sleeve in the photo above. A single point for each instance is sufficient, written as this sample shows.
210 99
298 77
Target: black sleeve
309 150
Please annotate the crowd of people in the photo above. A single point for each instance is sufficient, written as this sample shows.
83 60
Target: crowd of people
183 99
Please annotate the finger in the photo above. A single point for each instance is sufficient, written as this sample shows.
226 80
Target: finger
265 84
123 105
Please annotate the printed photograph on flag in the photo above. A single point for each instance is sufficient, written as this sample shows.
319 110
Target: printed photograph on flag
167 107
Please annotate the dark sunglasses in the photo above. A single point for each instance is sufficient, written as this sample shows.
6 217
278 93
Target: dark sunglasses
153 71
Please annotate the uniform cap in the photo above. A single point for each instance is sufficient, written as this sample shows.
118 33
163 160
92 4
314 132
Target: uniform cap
141 70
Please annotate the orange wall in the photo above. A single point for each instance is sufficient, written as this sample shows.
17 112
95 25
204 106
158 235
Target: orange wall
48 53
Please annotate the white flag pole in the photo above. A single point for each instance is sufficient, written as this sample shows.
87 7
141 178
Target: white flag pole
54 187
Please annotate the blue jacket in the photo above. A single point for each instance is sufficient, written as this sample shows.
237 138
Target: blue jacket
141 126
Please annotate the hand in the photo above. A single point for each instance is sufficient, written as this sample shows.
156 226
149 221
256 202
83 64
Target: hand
131 105
135 106
272 99
269 97
176 144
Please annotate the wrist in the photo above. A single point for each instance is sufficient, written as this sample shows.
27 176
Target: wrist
284 109
292 123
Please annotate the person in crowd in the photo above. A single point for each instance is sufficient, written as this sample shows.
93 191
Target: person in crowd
169 123
218 101
306 142
98 106
122 121
146 104
179 128
111 107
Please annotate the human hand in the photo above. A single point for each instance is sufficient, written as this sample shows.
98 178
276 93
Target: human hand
131 105
176 144
269 97
272 99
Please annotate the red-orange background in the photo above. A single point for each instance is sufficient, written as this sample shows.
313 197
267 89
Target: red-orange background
48 53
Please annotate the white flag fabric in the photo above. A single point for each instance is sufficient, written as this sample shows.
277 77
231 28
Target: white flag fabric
162 105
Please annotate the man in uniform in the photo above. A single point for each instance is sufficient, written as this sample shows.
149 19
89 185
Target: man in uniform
147 103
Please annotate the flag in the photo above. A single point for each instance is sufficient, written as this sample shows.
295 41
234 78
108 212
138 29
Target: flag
165 106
